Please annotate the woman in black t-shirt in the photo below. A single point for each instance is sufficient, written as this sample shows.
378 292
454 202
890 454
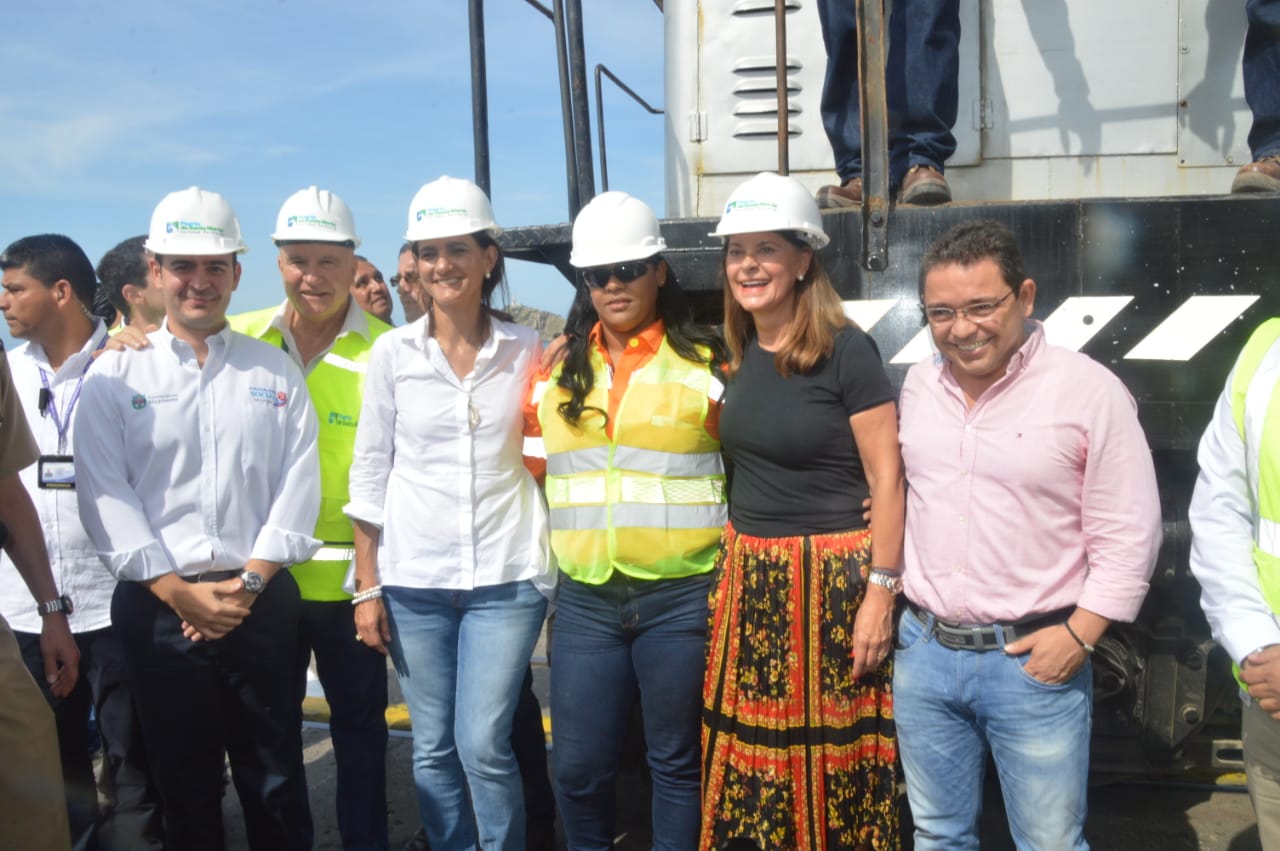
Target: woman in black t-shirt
799 744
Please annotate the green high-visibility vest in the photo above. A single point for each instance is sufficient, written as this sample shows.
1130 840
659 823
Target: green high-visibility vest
336 387
649 502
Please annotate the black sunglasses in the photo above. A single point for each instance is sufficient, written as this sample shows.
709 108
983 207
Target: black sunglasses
597 277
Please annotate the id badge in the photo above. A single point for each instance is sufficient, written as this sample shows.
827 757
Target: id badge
56 472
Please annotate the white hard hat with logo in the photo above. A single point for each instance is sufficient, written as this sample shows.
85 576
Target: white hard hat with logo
450 206
770 202
194 222
315 215
614 228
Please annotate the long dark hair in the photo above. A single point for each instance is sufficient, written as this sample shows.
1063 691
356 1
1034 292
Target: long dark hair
689 340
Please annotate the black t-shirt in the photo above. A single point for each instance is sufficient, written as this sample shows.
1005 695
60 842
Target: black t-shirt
796 466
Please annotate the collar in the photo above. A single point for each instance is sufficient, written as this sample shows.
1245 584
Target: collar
647 342
162 336
37 353
356 321
499 331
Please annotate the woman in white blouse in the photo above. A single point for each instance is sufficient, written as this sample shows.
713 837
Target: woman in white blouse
450 530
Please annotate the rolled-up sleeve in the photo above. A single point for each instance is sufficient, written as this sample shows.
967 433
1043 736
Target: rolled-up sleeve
1120 508
375 436
1223 514
110 510
286 536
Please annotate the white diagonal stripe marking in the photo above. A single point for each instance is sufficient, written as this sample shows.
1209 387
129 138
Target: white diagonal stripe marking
867 312
1186 331
920 347
1078 319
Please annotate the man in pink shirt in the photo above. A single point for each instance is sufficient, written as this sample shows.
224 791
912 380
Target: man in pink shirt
1033 521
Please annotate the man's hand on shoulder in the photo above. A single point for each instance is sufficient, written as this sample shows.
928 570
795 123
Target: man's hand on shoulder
127 337
1260 674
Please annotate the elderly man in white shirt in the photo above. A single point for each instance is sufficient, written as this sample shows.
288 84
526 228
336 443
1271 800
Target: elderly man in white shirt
198 481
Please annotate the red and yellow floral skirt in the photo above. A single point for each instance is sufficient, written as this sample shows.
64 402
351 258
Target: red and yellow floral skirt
797 755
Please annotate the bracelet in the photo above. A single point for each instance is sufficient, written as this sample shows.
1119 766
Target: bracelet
365 596
886 571
1088 648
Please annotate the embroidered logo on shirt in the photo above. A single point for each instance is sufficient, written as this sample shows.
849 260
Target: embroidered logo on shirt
277 398
139 402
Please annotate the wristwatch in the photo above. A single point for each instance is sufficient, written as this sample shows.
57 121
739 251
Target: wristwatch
892 583
253 582
57 604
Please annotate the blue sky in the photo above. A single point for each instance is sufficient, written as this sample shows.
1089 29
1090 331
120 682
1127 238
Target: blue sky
105 108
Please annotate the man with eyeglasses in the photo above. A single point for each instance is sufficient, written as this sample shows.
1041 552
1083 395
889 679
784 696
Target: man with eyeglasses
408 287
1033 522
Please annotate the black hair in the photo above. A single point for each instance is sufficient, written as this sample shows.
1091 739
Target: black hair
689 340
124 264
52 257
972 242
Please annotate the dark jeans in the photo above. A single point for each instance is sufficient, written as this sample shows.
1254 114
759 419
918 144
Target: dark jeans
133 820
529 743
610 640
920 81
354 678
1261 69
200 700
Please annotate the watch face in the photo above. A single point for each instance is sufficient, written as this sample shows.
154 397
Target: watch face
253 582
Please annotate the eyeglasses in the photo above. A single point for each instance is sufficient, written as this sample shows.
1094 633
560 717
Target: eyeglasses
598 277
974 312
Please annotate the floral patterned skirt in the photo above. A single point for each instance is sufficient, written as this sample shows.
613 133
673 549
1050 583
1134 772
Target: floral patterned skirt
797 755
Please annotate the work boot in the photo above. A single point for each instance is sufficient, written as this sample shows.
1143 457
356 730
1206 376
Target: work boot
1259 176
924 186
847 194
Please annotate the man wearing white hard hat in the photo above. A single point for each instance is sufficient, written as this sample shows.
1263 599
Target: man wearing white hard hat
198 480
329 337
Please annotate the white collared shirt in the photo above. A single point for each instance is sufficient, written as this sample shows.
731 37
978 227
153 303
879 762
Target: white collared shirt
186 469
76 568
456 506
355 322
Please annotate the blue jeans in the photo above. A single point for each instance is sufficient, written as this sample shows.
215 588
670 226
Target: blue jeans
609 641
354 679
951 706
1261 69
460 657
921 82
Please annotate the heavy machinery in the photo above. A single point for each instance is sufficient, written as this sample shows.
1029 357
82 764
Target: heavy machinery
1103 134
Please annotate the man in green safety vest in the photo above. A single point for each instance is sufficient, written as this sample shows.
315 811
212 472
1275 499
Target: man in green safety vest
329 336
1235 554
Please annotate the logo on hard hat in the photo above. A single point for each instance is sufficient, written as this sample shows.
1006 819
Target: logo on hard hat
313 221
182 227
745 204
438 212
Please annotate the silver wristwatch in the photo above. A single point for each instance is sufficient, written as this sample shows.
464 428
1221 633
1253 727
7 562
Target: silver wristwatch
892 583
57 604
253 582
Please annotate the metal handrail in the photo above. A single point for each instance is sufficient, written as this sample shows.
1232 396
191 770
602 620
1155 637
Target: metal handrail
604 156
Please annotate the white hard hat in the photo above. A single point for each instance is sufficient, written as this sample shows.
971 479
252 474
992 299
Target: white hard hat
194 222
769 202
315 215
450 206
614 228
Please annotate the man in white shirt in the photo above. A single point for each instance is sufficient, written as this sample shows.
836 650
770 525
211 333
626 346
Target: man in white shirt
48 287
1235 555
198 481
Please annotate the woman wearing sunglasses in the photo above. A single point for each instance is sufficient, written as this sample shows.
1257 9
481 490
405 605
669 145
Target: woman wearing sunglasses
799 732
451 538
628 427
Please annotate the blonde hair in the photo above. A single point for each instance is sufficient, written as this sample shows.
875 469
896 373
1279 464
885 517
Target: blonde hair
811 336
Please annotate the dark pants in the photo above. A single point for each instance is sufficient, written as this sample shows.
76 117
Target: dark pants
920 83
610 641
133 820
1261 70
529 742
200 700
354 678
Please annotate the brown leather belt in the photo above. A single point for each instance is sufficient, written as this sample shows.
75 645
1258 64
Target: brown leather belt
982 637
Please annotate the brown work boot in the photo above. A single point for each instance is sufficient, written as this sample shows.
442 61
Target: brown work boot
924 186
847 194
1259 176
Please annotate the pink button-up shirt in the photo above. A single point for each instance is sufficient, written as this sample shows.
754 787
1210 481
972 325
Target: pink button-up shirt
1039 497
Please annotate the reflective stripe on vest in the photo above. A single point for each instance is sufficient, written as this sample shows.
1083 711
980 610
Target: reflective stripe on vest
649 503
336 387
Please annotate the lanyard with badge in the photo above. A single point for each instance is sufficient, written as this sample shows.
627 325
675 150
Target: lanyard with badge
58 472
